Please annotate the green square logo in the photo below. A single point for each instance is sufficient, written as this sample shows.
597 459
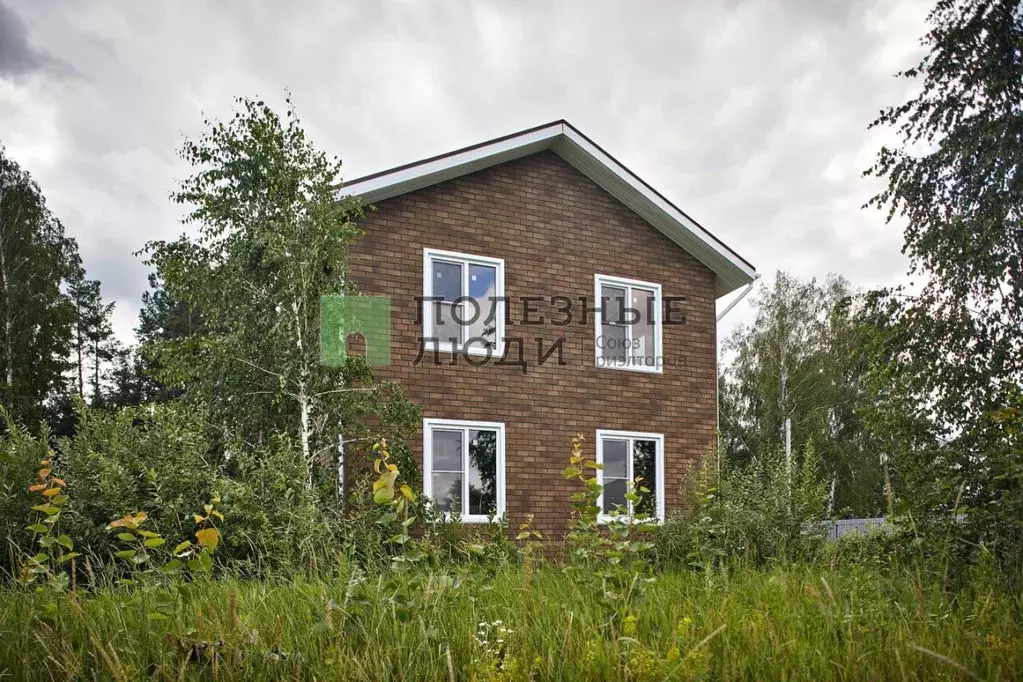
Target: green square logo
343 316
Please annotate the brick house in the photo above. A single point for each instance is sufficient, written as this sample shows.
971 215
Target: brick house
497 254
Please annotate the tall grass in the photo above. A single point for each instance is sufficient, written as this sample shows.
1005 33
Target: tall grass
799 622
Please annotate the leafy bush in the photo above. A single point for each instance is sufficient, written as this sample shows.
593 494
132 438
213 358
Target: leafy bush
20 454
276 523
888 545
162 460
156 459
752 514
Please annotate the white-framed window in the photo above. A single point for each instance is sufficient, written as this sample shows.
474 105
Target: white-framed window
463 468
628 456
463 303
627 331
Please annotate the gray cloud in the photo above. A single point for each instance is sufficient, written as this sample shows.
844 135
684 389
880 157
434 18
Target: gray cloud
18 57
750 114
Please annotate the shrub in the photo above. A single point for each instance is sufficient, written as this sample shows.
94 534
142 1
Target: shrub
156 459
20 454
276 523
752 514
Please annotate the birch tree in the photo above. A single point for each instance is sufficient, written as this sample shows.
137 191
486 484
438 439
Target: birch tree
36 258
272 236
795 376
953 346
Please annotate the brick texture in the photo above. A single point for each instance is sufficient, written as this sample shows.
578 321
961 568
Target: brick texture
555 229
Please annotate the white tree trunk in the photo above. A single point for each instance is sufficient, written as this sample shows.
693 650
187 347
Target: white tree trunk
831 495
305 423
8 324
340 467
305 405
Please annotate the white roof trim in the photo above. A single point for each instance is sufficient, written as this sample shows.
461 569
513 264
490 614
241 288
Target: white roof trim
563 139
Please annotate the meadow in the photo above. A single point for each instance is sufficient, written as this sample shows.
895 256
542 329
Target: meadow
510 623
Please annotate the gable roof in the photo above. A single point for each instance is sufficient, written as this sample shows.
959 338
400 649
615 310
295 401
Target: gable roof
732 270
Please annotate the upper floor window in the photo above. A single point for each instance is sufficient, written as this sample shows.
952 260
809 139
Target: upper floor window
631 456
628 328
463 468
463 306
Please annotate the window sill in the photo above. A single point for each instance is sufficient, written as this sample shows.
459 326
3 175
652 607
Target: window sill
629 368
451 349
475 520
606 520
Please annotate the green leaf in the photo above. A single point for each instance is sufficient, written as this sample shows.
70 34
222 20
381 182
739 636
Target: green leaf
37 528
383 495
65 541
67 557
47 509
125 554
206 560
126 537
173 566
182 546
155 542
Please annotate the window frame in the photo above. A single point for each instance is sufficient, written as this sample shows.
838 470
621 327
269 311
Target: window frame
658 488
628 284
465 425
464 260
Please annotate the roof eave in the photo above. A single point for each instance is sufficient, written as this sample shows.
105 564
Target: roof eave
731 270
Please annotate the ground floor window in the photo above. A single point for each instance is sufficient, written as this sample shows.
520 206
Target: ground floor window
463 468
631 456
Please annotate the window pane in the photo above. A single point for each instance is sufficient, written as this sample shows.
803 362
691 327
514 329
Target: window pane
447 491
612 304
644 466
483 288
614 493
445 327
447 280
616 453
447 450
644 349
482 472
611 344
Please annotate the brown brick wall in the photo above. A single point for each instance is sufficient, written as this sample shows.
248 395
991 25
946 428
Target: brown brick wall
555 229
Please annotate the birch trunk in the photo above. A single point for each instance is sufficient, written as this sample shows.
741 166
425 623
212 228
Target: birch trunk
304 399
9 351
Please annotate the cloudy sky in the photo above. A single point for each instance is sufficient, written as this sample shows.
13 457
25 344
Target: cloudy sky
750 114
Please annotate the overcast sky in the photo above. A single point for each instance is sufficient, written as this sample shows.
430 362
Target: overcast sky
750 115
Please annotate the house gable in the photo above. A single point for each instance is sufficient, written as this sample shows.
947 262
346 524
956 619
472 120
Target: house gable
731 270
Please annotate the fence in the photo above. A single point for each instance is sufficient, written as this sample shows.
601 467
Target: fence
845 526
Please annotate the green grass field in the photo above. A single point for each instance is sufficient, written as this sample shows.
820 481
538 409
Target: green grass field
792 623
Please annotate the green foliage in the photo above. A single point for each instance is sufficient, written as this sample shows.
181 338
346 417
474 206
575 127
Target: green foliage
272 238
36 259
834 625
949 353
93 344
768 510
156 458
20 454
605 556
161 459
45 567
798 361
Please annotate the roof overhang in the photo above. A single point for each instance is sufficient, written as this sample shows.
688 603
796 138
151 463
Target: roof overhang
731 270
